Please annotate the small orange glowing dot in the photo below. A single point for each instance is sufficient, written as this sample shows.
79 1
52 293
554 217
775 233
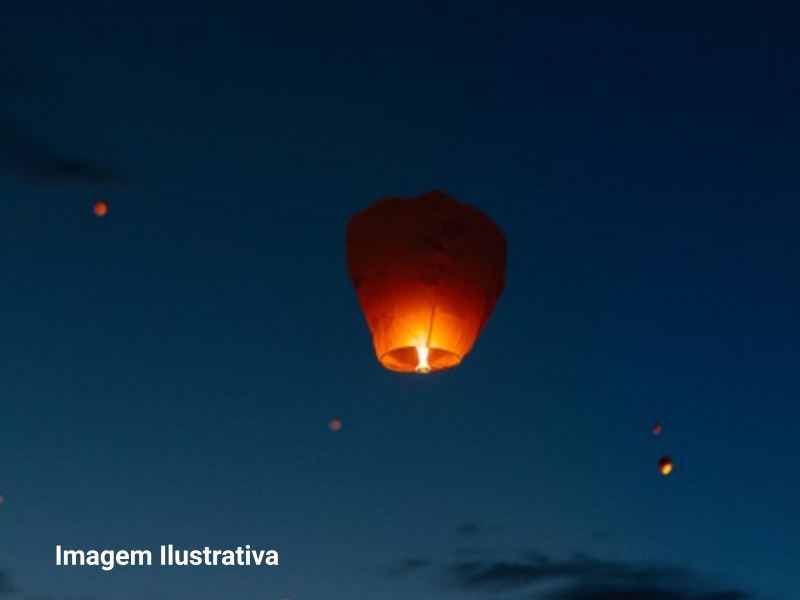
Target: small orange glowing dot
335 425
665 465
657 429
100 209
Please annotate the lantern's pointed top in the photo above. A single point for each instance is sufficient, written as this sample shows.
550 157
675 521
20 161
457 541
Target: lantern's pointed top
434 195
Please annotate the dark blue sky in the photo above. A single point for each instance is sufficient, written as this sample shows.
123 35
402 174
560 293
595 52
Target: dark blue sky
168 372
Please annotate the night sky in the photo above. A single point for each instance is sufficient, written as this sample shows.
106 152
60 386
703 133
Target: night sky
168 372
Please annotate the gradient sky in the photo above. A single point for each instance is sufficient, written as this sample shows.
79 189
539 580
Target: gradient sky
167 372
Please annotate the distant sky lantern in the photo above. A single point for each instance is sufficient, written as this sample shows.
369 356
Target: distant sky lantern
428 272
665 465
335 425
657 429
100 209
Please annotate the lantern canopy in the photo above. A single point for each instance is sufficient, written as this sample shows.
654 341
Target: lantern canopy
428 272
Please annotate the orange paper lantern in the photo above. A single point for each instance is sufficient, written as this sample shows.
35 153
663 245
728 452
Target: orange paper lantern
428 272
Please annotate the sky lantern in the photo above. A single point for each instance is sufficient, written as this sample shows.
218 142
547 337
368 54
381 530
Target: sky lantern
428 272
665 465
100 209
335 425
657 429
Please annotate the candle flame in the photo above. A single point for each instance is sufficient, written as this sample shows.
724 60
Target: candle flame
422 357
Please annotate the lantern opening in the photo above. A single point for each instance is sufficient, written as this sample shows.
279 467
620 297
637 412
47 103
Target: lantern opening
422 360
409 359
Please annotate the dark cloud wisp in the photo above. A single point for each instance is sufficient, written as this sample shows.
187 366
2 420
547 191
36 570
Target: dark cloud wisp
409 565
24 157
6 589
539 577
468 529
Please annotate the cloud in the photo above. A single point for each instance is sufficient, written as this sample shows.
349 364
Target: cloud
6 589
409 565
26 158
540 577
473 529
468 529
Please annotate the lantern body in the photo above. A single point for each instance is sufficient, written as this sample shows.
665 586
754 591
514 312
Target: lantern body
428 272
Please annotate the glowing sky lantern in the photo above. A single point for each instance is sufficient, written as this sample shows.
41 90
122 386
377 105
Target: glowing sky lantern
665 465
428 272
335 425
657 429
100 209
